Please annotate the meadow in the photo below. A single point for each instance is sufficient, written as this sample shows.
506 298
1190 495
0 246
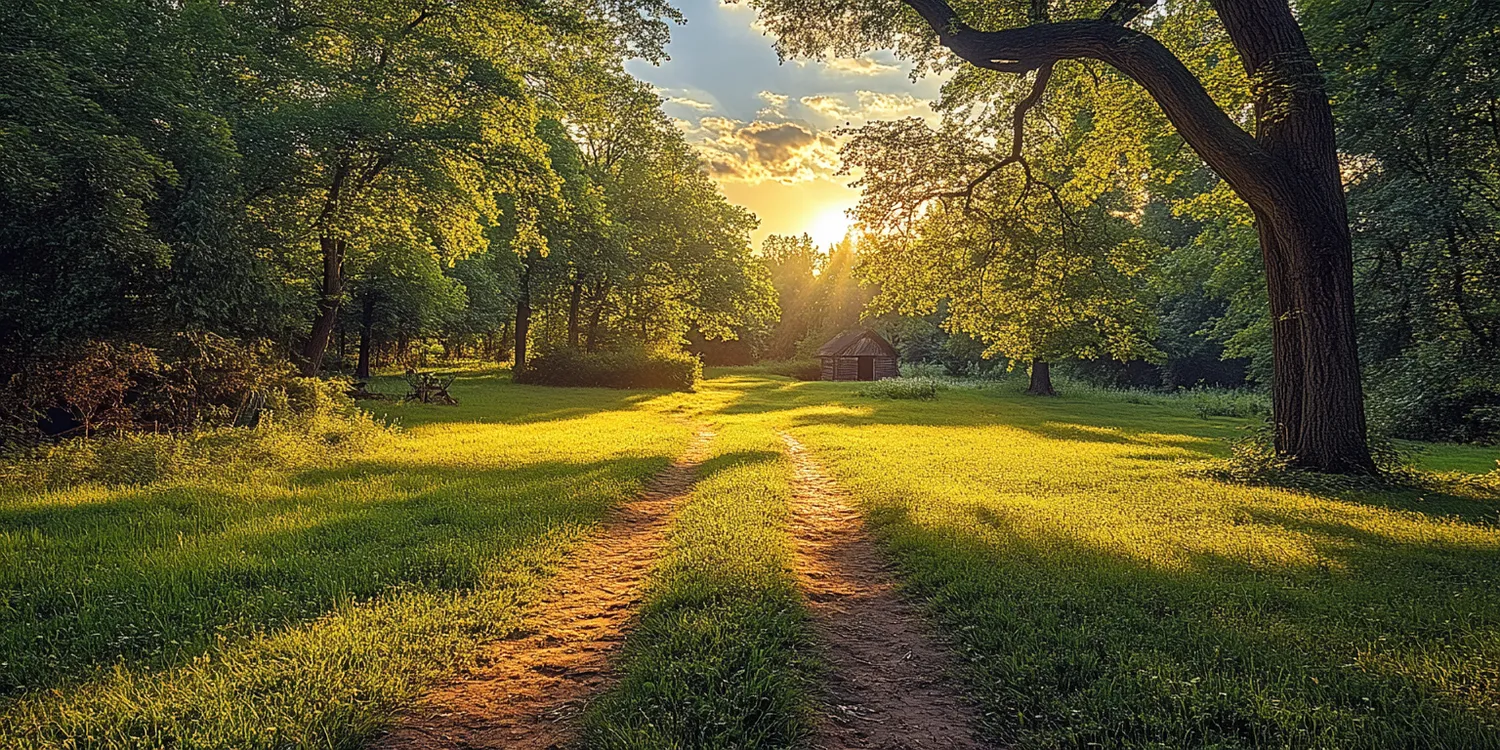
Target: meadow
1100 583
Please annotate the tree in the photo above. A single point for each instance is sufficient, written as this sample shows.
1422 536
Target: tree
677 257
1420 127
793 263
1033 263
1287 172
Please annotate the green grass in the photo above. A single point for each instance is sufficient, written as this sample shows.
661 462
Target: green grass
1104 593
1102 589
262 608
719 657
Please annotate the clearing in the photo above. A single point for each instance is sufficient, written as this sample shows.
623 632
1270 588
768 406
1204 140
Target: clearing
1059 572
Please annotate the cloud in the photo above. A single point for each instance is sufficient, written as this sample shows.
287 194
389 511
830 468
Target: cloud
863 106
827 105
859 66
689 102
764 150
775 104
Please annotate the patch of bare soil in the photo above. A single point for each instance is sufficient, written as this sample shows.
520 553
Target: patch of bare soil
528 690
890 684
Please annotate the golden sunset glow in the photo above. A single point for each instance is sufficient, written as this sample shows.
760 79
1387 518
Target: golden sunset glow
829 227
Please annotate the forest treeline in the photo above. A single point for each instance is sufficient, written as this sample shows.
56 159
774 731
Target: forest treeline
348 181
247 183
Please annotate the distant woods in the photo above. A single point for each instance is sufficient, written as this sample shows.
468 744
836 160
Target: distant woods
359 183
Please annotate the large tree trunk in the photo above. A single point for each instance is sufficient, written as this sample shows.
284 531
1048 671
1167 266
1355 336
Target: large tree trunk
366 337
1041 379
1317 397
523 319
1287 173
328 305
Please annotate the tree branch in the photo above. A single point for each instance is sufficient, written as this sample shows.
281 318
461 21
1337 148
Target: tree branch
1229 150
1018 132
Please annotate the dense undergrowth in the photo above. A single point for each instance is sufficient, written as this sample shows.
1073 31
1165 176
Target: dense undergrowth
312 424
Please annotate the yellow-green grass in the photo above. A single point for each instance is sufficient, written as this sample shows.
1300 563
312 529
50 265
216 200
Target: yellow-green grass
719 658
271 608
1101 588
1106 593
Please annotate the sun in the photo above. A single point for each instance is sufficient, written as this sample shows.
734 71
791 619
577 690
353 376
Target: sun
829 227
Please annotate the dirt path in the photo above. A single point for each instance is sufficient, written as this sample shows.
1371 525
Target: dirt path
889 684
528 690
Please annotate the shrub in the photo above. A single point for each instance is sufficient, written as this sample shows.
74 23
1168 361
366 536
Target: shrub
627 368
1436 392
796 369
101 387
923 370
90 388
921 389
301 426
205 378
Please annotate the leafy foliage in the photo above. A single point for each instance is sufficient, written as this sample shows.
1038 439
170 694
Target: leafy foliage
625 368
918 389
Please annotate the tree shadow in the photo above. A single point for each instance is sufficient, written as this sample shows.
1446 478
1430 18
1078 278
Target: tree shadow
156 576
487 399
1070 642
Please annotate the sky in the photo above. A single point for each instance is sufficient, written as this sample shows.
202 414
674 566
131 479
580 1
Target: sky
765 128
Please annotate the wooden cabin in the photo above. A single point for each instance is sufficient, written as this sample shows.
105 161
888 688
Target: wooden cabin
859 354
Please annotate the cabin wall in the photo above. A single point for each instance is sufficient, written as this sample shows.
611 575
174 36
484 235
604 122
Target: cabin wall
847 368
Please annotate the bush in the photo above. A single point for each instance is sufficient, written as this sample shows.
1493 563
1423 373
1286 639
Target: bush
920 389
1437 393
923 370
300 426
100 387
796 369
627 368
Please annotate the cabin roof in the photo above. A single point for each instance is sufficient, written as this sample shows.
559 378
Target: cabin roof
858 342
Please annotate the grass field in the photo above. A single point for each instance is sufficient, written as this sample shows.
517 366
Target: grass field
269 609
1101 588
720 658
1105 593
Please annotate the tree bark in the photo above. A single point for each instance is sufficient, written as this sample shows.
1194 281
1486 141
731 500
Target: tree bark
1041 379
366 337
1317 396
328 306
575 299
523 318
596 317
1287 173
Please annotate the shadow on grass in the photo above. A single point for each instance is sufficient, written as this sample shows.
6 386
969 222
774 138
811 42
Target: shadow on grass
1186 436
1074 644
155 576
1366 629
490 399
